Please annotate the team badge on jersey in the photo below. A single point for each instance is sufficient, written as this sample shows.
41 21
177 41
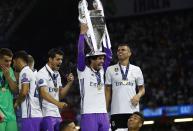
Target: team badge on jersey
41 81
116 69
24 78
113 123
24 75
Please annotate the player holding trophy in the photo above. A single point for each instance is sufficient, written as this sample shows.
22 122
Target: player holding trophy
91 75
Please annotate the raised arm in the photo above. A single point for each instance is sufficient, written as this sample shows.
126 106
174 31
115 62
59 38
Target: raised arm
108 57
64 90
81 55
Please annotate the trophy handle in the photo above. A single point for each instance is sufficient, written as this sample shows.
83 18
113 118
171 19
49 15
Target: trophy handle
106 39
90 27
81 10
89 41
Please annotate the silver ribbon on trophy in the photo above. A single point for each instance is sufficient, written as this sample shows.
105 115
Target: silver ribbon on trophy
97 31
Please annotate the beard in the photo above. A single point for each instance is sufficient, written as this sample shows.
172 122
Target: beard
57 67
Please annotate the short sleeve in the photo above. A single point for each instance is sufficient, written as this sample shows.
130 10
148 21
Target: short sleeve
41 80
25 77
139 77
81 74
108 80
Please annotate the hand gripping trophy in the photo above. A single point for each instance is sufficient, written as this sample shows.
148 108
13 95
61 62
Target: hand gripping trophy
97 31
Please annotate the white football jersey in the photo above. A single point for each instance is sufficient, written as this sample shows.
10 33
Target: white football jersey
123 92
35 71
92 95
31 105
45 80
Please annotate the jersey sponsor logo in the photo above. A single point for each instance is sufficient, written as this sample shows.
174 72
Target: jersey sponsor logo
128 83
50 89
93 84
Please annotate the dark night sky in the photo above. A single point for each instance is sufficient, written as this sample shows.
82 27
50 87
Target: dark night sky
45 26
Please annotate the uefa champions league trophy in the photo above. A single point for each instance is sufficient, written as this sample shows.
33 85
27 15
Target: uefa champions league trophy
97 31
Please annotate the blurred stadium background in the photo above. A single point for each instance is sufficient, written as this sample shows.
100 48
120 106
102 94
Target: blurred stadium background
160 32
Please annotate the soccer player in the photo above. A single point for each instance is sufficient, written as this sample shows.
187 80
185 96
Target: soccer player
91 80
51 90
67 125
31 63
8 86
122 81
28 96
135 122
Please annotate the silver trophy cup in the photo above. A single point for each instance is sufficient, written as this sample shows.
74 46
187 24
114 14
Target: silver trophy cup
97 32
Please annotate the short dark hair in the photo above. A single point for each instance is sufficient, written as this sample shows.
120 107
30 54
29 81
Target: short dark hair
124 44
89 58
64 124
21 54
30 59
140 115
5 51
93 57
52 52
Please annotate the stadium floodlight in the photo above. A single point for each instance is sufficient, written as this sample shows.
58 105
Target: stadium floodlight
183 120
148 122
